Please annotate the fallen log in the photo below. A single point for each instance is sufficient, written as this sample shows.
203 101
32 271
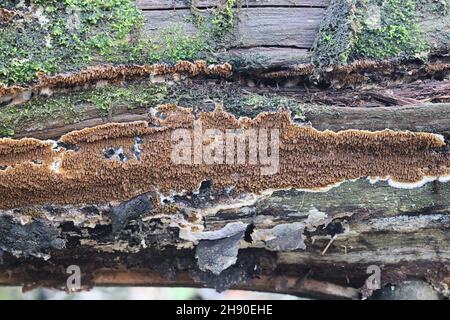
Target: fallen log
404 232
116 170
347 228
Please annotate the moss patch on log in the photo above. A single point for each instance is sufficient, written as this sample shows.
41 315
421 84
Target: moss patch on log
49 37
68 106
337 33
52 36
173 44
237 101
388 28
381 29
223 18
133 96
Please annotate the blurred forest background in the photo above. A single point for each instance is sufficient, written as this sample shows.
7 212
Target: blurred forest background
138 293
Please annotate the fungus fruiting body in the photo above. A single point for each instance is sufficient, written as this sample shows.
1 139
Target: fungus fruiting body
308 159
104 74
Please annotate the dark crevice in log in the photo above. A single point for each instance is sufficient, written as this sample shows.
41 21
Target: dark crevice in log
379 95
280 46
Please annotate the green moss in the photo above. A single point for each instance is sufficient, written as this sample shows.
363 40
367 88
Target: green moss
69 107
254 104
238 101
54 36
215 26
38 111
174 45
133 96
223 18
380 29
395 34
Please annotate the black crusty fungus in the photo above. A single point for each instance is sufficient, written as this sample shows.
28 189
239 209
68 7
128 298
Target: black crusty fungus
33 239
130 210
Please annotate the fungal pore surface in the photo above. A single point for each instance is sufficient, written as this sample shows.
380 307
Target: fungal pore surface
118 161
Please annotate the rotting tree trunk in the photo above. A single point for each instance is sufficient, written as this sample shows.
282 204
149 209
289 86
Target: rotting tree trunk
315 244
299 241
404 232
433 118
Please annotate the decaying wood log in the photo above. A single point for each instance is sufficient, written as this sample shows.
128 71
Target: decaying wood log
224 239
426 118
175 4
404 232
360 152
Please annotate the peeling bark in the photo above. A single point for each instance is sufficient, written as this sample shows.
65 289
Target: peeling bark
369 223
313 244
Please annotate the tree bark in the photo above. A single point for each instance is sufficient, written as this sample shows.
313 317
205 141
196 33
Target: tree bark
310 244
309 241
316 245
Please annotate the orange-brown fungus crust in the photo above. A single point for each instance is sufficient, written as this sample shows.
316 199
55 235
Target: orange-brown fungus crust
356 69
7 15
109 72
308 159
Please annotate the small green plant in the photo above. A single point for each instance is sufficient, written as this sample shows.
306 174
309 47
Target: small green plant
174 45
6 132
223 18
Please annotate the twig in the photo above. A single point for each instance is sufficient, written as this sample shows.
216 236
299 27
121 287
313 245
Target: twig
329 244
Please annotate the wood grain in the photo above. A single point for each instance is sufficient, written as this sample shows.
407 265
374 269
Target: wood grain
283 27
427 118
263 58
182 4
